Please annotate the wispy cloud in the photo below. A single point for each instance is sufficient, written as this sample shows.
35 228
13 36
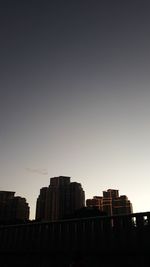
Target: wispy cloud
38 171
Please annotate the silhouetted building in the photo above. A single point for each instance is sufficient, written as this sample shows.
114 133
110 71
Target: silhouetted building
108 200
60 199
5 196
77 197
122 205
111 203
41 203
13 208
96 201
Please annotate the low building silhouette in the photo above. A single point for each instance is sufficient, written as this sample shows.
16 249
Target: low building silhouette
13 208
111 203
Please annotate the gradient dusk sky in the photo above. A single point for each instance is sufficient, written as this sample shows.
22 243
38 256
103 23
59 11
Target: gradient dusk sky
75 96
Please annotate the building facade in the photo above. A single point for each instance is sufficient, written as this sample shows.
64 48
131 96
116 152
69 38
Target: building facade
111 203
60 199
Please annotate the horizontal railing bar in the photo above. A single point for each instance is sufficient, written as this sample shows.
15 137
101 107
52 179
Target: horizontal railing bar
101 218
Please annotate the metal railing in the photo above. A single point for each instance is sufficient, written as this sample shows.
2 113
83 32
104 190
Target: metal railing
85 234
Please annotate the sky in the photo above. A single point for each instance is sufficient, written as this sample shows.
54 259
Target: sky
74 96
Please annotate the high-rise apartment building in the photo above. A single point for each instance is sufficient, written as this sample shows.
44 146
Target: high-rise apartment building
60 199
111 203
13 208
41 203
122 205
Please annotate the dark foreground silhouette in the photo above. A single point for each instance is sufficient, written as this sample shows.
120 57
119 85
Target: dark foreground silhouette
96 241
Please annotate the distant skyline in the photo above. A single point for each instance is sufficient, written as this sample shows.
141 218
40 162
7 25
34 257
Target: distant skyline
74 96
